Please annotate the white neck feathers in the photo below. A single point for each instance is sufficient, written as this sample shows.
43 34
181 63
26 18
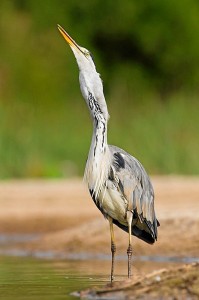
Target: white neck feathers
98 162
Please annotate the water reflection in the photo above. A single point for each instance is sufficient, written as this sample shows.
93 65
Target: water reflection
28 278
34 278
55 275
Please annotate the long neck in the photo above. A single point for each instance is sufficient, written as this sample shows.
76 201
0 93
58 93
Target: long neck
97 166
99 138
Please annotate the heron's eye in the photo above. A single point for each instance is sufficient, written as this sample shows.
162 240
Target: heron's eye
87 53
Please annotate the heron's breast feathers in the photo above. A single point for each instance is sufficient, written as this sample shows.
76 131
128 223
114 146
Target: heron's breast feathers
97 170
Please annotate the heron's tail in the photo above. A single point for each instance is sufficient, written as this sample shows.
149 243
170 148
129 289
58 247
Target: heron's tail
142 234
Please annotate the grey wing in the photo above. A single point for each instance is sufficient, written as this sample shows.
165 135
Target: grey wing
135 186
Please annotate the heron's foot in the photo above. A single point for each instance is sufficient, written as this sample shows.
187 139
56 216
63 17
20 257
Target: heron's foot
129 253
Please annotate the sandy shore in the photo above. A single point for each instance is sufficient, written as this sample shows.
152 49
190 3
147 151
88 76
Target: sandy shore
63 212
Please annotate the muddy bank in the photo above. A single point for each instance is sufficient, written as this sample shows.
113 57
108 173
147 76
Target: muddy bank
176 283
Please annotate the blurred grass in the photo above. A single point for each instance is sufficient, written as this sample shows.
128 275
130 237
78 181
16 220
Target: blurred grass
162 136
45 126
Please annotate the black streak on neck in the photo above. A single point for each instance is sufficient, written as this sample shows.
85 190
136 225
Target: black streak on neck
98 118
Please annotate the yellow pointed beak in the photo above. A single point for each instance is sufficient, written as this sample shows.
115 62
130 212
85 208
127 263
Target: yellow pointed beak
69 39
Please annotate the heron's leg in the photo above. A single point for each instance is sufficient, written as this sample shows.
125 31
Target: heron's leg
129 249
113 248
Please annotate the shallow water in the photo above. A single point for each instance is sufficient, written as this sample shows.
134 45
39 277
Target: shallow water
34 278
51 275
30 278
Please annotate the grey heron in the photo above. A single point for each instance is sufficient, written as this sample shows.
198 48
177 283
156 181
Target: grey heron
117 181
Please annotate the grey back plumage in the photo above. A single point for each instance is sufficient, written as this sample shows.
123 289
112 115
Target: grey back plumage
135 186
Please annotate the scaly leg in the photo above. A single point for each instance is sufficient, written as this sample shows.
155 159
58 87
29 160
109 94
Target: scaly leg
113 248
129 249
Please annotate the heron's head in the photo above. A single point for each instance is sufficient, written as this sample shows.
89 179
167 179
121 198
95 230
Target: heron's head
90 81
82 55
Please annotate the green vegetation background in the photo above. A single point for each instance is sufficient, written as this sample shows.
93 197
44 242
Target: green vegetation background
148 55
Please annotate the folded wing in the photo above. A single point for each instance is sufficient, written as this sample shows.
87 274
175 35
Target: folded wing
135 186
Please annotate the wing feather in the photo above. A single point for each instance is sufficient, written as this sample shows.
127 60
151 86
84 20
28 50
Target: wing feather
136 188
